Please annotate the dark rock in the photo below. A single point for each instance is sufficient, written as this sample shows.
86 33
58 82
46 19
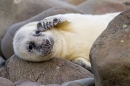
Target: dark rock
100 6
6 82
6 45
2 62
110 54
54 71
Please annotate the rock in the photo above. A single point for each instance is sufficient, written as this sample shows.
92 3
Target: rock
100 6
80 82
14 11
51 85
110 55
6 82
28 83
74 2
125 2
2 62
54 71
20 82
6 45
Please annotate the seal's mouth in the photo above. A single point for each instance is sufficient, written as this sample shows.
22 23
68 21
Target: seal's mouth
47 47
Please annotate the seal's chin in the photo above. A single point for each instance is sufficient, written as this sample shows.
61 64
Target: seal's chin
46 47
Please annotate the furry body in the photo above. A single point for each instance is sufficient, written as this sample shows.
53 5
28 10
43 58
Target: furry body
69 36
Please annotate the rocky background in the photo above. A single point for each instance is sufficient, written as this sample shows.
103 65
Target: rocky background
109 54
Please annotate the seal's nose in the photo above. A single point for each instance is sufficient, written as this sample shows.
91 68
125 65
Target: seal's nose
50 41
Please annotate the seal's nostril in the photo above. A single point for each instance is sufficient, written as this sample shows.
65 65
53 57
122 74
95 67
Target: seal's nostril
47 41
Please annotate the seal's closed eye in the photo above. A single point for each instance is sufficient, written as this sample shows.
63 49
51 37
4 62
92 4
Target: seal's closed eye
36 33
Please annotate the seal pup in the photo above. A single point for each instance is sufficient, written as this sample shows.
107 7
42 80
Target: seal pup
68 36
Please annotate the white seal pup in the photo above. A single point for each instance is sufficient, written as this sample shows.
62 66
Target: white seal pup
68 36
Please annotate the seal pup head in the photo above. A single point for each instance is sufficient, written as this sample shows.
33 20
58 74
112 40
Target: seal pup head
32 45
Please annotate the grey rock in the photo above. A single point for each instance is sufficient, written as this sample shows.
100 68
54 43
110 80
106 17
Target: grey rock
80 82
29 84
6 82
19 82
100 6
54 71
110 54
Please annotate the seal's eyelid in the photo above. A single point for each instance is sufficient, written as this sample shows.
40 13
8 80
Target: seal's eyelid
36 32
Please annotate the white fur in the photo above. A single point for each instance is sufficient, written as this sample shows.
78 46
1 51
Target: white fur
72 40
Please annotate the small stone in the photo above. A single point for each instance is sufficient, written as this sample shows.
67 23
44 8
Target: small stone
122 41
124 25
6 82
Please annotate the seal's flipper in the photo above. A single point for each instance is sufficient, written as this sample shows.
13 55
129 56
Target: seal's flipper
49 22
82 62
